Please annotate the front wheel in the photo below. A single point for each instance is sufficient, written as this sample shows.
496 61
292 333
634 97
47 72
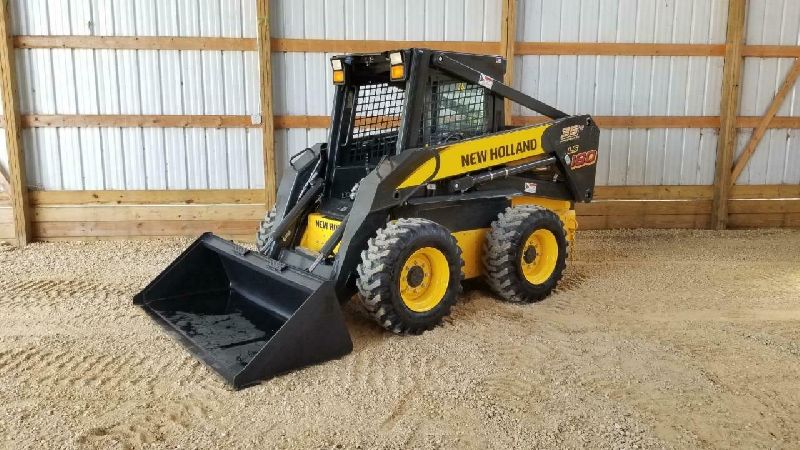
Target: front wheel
410 275
525 254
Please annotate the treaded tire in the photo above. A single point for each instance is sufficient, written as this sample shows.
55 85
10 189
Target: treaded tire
381 268
264 229
503 253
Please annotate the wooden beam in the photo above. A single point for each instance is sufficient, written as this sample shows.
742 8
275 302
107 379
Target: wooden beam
137 121
694 192
136 43
117 213
772 51
776 122
508 39
354 46
636 121
128 228
761 129
617 49
766 191
186 197
729 108
371 46
267 119
18 186
284 122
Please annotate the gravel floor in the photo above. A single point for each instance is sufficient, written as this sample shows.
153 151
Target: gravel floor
655 339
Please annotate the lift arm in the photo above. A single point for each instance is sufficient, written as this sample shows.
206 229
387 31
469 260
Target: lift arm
461 70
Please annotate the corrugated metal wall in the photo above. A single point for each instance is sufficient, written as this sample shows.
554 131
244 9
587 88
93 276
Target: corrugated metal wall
777 159
63 81
301 81
631 85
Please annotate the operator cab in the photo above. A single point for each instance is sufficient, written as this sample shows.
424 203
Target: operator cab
391 101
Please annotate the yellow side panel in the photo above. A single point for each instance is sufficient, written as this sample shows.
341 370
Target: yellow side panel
561 207
477 154
318 230
471 243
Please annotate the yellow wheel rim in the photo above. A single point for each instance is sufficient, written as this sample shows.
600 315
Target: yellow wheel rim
539 256
424 279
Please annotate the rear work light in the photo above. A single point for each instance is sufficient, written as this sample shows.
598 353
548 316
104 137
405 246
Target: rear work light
398 68
338 71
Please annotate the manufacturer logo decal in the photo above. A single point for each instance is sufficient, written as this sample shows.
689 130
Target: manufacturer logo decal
585 159
571 133
501 152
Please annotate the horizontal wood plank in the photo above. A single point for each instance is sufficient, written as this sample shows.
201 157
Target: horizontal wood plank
643 207
6 214
303 121
772 220
694 192
136 43
374 46
635 121
771 51
764 206
218 196
142 228
362 46
769 191
137 121
660 221
618 49
7 231
114 213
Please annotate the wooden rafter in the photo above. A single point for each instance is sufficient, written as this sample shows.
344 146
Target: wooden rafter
761 129
729 110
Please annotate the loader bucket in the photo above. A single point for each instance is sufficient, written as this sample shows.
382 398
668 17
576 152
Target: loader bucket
248 317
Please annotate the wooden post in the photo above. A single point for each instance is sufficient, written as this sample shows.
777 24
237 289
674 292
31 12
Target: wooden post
17 183
729 110
508 40
763 124
267 119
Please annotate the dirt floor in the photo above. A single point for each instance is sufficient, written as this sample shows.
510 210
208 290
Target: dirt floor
655 339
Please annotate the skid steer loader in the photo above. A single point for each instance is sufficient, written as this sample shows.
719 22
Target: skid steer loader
420 186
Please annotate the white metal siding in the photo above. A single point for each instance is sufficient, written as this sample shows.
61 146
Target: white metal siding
62 81
413 20
628 21
777 158
628 85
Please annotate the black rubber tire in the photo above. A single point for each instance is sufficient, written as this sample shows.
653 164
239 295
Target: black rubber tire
502 253
382 263
264 229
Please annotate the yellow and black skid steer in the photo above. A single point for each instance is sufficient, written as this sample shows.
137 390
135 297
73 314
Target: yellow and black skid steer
420 186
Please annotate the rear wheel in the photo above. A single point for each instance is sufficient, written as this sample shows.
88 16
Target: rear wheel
525 254
410 275
264 230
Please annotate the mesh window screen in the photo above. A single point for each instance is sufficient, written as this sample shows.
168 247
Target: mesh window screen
455 111
379 108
